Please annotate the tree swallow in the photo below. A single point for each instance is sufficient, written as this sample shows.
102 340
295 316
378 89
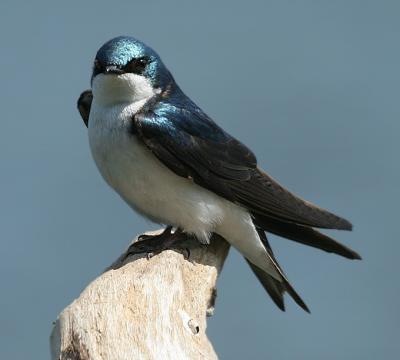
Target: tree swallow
172 163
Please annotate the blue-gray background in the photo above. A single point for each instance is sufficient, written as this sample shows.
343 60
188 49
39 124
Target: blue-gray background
311 86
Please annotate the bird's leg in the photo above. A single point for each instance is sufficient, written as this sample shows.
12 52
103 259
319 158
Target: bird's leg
155 244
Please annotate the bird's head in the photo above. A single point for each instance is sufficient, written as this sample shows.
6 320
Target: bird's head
126 70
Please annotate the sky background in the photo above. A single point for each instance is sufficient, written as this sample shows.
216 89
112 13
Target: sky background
311 86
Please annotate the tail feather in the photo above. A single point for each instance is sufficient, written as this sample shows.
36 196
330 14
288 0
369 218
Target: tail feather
305 235
276 288
273 287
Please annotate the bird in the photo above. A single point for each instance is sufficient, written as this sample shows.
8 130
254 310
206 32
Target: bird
170 162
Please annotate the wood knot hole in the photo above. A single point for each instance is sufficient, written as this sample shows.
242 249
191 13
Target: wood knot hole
194 326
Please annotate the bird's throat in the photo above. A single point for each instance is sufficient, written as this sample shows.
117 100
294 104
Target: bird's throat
114 89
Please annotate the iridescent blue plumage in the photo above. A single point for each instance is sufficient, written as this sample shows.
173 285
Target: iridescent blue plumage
120 50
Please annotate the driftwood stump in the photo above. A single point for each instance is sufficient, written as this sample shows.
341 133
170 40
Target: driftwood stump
142 308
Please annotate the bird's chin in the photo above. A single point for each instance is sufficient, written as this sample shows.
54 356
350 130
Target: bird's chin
109 89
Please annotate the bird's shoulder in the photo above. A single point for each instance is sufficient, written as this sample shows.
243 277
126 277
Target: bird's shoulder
176 118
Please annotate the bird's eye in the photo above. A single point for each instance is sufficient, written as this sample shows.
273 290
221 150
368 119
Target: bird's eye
137 66
97 67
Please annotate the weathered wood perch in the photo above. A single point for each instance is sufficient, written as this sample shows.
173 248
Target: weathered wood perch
143 308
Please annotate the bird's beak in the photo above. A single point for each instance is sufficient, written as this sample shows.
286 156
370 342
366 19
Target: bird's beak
113 69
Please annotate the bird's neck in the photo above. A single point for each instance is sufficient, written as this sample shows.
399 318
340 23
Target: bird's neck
110 90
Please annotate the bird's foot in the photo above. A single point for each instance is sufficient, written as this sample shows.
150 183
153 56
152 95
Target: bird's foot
152 245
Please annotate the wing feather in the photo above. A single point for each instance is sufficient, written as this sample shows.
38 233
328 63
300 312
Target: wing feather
220 163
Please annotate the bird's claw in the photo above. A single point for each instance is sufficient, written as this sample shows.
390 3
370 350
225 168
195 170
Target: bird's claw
144 237
149 255
150 245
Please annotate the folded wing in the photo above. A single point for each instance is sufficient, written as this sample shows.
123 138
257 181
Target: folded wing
191 145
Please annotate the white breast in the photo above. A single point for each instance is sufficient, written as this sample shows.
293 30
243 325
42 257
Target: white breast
142 180
149 187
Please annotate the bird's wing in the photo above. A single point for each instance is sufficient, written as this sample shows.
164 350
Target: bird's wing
84 104
193 146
